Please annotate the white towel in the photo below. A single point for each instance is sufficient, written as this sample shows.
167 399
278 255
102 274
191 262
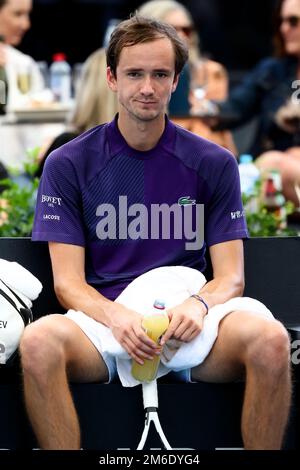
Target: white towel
173 284
18 278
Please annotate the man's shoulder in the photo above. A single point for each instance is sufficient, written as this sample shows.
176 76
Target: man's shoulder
83 145
84 154
90 139
198 152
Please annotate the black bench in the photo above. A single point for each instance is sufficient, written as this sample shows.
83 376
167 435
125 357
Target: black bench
194 416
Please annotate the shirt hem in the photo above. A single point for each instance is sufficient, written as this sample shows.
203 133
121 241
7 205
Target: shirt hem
228 237
47 237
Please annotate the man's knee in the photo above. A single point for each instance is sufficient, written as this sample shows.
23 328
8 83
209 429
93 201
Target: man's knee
269 350
40 348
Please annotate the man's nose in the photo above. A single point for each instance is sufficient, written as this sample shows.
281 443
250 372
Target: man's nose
147 86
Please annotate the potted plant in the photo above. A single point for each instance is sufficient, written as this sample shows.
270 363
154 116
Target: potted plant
17 201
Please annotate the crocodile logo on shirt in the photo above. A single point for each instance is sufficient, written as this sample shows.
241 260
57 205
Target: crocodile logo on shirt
186 201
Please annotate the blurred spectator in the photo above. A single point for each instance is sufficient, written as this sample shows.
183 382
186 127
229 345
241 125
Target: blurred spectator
271 92
95 103
199 78
22 73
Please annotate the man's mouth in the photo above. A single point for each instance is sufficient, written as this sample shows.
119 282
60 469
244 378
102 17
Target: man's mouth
146 102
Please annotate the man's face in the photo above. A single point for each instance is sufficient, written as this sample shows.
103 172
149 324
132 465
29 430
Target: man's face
145 79
14 20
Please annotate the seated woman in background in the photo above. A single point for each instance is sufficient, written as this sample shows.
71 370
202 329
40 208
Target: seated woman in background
18 70
95 103
200 76
271 92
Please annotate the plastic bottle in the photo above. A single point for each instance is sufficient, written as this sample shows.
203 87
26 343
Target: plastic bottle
270 193
249 174
3 85
155 324
273 199
60 78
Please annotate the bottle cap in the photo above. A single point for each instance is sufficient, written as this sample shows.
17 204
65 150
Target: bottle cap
59 57
246 158
160 304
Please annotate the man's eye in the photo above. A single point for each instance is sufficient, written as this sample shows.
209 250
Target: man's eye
134 74
161 74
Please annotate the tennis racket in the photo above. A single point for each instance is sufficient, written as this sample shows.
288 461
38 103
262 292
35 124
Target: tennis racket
150 399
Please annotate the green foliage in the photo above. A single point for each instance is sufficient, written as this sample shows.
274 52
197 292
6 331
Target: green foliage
263 223
17 202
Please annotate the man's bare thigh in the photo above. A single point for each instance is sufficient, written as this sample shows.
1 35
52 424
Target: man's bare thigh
83 361
225 362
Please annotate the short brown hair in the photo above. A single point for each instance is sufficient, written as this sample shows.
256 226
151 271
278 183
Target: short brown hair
137 30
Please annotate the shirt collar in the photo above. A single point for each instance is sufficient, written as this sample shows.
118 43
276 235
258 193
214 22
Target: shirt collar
117 143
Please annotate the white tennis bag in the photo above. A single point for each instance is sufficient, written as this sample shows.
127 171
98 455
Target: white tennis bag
15 314
17 288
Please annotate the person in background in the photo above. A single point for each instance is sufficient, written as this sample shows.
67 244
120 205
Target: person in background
22 73
271 93
205 76
94 104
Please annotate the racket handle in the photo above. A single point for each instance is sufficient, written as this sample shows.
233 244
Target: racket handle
150 397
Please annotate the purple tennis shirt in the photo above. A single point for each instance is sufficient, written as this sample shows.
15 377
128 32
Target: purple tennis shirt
133 211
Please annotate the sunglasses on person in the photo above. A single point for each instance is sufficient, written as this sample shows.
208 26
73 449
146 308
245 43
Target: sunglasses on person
187 30
293 20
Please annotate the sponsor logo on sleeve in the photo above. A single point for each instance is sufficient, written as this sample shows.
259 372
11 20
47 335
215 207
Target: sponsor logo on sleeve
51 217
51 201
237 215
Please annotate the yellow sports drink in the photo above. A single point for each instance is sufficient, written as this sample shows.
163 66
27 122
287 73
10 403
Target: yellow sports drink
154 324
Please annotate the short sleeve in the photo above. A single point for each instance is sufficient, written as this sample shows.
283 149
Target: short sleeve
58 215
224 214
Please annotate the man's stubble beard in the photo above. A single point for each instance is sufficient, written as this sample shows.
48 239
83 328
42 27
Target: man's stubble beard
138 116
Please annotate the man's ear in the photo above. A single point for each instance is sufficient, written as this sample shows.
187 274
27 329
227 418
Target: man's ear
175 82
111 79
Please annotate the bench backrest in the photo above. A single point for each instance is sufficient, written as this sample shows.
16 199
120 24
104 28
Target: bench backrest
272 273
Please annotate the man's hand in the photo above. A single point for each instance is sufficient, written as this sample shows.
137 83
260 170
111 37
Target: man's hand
186 321
126 326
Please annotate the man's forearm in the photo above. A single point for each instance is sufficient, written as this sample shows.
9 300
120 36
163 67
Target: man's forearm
219 290
79 295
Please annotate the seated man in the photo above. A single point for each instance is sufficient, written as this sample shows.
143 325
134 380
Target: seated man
97 207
